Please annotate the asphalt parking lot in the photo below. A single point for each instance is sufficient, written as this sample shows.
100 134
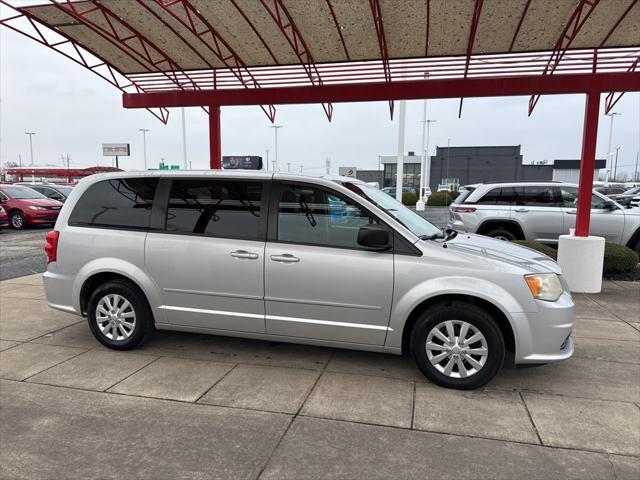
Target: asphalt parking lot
194 406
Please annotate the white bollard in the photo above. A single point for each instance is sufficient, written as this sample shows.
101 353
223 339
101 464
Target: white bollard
420 205
581 260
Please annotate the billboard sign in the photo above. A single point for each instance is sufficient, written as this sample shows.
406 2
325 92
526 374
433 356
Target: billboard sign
347 172
251 162
115 149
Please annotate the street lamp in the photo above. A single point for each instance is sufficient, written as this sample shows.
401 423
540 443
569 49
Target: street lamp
609 152
275 132
31 134
144 144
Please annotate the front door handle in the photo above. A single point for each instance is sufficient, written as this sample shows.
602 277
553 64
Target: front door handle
571 212
522 210
244 254
285 258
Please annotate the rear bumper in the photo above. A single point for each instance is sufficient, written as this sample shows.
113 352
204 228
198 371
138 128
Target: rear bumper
545 336
58 289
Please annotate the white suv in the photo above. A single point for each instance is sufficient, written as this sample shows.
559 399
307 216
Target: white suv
540 212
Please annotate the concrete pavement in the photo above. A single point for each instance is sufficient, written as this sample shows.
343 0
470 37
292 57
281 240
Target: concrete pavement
196 406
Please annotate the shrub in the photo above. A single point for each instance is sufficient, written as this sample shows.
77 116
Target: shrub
540 247
409 198
618 258
442 199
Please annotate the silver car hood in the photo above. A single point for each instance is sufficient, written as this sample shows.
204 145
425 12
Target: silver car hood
502 251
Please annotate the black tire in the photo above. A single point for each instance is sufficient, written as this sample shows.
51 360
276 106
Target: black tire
17 220
143 317
480 320
501 234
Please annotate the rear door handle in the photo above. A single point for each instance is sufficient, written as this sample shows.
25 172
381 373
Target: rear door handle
522 210
244 254
285 258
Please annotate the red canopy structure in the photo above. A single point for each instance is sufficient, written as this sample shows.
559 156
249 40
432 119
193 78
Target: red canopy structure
48 172
171 53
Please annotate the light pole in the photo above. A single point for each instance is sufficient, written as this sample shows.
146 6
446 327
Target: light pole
267 164
184 140
144 145
275 132
615 167
609 152
31 134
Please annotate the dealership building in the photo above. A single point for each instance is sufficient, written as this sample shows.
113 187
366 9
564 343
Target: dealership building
470 165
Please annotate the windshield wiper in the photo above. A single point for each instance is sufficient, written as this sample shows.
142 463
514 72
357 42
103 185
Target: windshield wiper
446 233
432 237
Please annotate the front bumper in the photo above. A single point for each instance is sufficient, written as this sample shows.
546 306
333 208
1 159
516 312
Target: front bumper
545 336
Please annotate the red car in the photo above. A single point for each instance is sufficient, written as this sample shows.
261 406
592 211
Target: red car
25 206
4 219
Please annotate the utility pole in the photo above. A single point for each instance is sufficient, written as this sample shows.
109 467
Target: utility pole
327 165
20 160
402 116
448 155
31 134
609 152
144 144
275 132
184 140
615 168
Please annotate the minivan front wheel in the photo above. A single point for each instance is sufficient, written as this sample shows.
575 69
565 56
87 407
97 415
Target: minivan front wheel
119 315
457 345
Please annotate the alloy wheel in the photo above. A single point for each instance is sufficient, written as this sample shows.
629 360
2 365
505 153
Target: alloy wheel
456 348
115 317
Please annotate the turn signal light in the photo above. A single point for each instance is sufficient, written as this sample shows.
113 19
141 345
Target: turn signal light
51 245
464 209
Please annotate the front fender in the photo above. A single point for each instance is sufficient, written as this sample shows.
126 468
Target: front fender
126 269
453 285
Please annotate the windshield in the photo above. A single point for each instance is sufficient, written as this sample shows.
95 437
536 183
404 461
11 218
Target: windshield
407 217
22 193
64 190
632 191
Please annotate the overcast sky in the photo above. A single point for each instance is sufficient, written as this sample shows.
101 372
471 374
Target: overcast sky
74 111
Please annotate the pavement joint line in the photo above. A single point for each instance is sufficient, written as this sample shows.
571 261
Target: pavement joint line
552 394
296 415
293 417
607 309
216 383
612 339
613 467
533 423
132 373
53 332
59 363
462 435
632 325
607 360
413 405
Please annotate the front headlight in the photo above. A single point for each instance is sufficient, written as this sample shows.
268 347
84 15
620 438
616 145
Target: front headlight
544 286
35 207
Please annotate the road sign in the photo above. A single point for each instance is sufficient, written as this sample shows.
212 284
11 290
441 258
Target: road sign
347 171
115 149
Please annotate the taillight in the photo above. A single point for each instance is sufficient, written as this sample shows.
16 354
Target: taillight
51 245
463 209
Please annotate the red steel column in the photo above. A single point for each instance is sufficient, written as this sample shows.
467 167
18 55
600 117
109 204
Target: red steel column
587 163
215 147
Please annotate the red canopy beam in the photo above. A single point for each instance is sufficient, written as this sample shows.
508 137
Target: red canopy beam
383 91
289 29
569 33
335 22
216 44
378 22
612 98
472 37
517 32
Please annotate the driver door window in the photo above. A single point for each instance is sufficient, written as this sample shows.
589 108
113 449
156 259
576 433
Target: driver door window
604 222
314 216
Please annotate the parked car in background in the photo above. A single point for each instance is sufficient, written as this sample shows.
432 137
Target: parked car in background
335 263
608 190
629 198
4 218
51 190
25 206
540 212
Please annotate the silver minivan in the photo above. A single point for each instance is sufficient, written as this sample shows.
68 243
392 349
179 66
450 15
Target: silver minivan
325 261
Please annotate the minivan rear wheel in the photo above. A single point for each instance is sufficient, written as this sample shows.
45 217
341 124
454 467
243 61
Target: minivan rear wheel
119 315
457 345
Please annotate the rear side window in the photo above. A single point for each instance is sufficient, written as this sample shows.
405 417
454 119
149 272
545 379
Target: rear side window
497 196
124 203
464 193
218 208
536 196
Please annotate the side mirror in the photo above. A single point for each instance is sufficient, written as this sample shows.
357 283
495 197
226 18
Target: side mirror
609 206
375 237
